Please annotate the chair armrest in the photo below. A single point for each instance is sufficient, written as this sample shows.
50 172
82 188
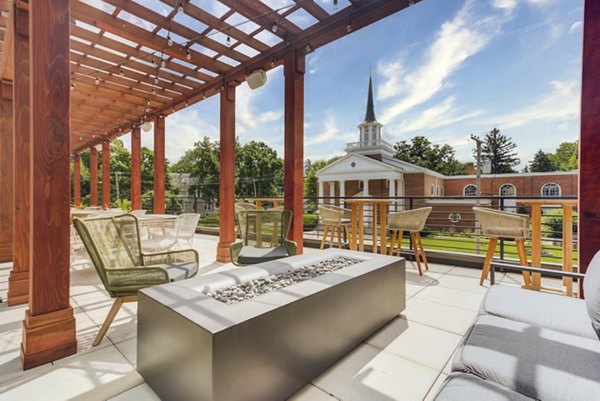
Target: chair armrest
155 258
127 281
290 246
234 251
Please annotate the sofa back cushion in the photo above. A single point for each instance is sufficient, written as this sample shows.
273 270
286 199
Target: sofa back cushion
591 288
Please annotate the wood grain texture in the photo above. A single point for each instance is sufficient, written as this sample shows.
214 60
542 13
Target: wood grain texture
93 176
136 168
294 66
76 180
159 165
106 174
6 172
49 326
18 282
589 140
227 174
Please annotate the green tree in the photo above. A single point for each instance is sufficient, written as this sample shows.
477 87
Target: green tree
541 162
499 150
421 152
566 157
202 163
259 171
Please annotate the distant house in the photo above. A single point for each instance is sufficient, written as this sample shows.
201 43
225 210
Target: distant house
192 203
369 169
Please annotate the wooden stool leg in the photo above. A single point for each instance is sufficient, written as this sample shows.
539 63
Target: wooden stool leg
392 241
400 236
416 251
488 259
332 236
523 260
325 230
339 232
423 256
109 319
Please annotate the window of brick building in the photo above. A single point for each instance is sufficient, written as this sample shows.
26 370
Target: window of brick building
470 190
551 189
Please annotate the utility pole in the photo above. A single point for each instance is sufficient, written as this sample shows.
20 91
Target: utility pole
478 141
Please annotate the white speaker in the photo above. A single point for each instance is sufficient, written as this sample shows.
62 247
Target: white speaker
257 79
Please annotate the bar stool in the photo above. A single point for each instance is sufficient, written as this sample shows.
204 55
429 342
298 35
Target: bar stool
242 207
334 218
497 224
412 221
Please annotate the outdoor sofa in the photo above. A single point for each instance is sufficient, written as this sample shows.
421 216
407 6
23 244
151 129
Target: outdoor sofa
527 345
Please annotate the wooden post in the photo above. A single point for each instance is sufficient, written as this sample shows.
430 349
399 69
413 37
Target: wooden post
294 66
18 281
136 168
106 174
227 177
159 164
93 176
49 325
6 172
589 140
76 180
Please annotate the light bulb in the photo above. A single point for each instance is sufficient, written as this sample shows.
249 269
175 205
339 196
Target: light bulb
154 62
97 81
180 8
349 27
163 63
73 86
156 80
169 41
228 40
121 72
274 27
308 48
153 91
188 54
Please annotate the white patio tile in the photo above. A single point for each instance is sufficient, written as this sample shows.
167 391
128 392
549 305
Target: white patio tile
464 283
311 393
466 272
95 375
129 349
450 296
444 317
368 373
435 388
434 267
143 392
419 343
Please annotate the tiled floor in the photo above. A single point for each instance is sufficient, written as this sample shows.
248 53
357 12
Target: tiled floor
406 360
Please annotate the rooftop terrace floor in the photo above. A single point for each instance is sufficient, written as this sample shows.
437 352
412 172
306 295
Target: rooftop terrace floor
406 360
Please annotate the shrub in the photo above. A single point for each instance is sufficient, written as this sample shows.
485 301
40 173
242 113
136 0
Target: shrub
310 221
552 223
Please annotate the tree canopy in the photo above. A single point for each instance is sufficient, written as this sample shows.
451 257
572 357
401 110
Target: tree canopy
499 149
541 162
421 152
565 158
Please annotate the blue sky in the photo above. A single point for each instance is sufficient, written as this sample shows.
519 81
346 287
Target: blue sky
442 68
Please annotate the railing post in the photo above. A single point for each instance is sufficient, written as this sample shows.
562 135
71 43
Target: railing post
501 239
410 241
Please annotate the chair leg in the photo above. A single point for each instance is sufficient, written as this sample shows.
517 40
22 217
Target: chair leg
488 259
109 319
523 260
392 242
332 236
399 236
325 230
339 233
416 251
423 256
347 227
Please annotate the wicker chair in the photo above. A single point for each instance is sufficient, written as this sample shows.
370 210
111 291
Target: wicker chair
257 228
412 221
139 212
334 218
113 244
496 224
186 228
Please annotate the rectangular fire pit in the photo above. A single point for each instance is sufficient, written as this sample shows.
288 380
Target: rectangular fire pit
194 346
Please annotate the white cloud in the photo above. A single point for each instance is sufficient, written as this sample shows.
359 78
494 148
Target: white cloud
331 131
457 40
183 129
442 114
560 104
247 117
508 5
576 26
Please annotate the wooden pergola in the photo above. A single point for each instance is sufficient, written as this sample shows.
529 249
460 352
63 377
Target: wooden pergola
78 74
75 76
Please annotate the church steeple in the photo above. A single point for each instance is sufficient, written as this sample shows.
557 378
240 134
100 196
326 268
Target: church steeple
370 114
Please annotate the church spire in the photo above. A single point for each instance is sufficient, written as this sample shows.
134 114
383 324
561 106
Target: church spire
370 114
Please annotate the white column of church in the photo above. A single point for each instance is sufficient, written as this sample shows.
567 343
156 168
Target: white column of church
331 192
342 191
366 187
321 191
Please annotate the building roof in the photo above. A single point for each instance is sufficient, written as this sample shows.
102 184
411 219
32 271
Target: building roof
370 114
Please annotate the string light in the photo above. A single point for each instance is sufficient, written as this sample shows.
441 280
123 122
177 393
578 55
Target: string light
156 80
153 91
97 81
273 63
274 27
188 54
153 62
187 103
163 63
121 72
349 27
228 40
180 9
72 86
169 41
308 48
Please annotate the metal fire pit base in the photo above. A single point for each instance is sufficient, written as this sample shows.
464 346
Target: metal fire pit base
193 347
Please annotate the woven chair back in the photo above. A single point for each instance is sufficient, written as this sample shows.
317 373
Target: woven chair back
264 228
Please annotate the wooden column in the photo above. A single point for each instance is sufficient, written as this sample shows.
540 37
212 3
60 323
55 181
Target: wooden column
18 281
93 176
136 168
49 325
106 174
227 176
294 66
76 180
159 164
589 141
6 172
